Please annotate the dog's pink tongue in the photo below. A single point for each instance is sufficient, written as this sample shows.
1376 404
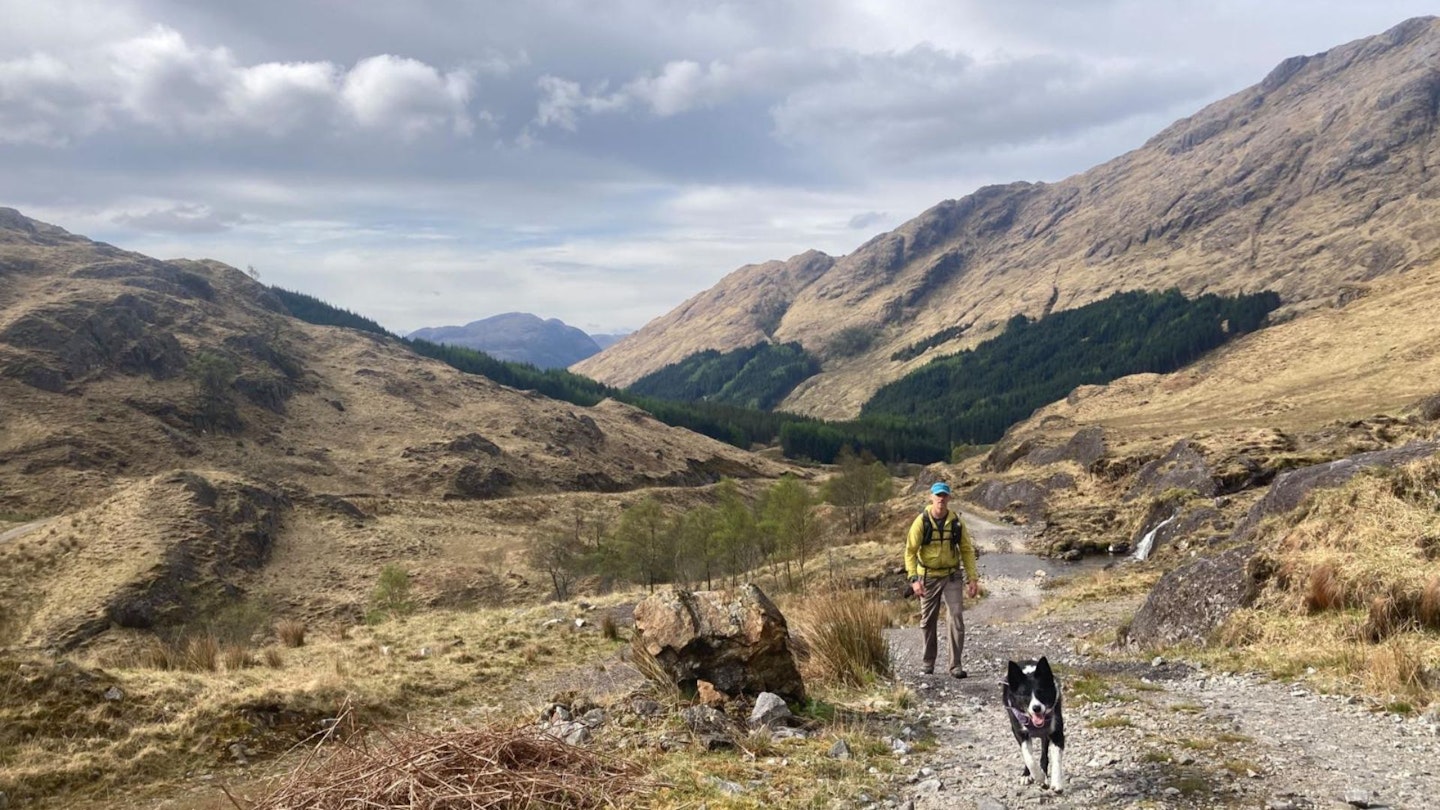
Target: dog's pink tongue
1036 719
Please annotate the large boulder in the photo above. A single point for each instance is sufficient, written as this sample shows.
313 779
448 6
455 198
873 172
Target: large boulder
1191 602
737 640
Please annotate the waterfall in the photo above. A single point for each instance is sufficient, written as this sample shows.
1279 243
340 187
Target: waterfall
1143 548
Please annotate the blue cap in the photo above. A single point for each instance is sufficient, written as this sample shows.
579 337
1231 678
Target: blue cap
940 488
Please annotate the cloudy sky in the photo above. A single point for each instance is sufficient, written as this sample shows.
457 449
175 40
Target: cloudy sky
433 162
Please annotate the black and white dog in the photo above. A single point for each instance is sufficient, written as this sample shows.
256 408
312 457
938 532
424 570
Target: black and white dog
1032 697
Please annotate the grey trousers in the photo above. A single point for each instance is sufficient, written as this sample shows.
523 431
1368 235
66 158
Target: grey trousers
951 591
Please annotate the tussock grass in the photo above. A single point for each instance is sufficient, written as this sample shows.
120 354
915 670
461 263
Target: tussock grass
1112 721
291 632
843 632
237 657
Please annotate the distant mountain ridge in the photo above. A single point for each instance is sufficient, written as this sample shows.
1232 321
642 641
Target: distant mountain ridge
518 337
1313 180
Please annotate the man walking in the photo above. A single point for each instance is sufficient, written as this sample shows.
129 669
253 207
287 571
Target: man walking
935 549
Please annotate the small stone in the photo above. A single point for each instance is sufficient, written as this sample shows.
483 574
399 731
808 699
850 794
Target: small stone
1358 797
770 710
114 693
727 787
840 750
1157 661
930 786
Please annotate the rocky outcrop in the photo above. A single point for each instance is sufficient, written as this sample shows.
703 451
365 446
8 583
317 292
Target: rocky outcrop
1086 447
1181 468
737 640
1289 489
70 342
1018 496
163 554
1188 604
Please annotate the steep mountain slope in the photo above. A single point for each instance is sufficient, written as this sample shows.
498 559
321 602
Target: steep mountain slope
1316 177
745 308
518 337
1376 353
179 430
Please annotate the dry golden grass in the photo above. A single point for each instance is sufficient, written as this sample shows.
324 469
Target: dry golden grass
291 632
185 704
844 635
1104 586
1354 594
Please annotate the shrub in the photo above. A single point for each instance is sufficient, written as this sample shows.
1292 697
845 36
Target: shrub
391 597
291 632
608 627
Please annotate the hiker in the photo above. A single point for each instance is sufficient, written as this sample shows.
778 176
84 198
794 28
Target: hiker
937 545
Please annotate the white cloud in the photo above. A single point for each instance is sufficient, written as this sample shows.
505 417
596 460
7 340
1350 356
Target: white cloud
179 218
407 96
279 98
158 80
42 102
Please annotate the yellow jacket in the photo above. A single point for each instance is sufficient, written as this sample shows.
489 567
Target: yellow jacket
939 557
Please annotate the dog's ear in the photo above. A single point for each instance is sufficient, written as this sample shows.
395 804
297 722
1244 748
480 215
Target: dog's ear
1042 668
1014 675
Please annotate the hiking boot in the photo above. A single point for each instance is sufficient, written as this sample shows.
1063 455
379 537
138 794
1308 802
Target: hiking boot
928 669
959 673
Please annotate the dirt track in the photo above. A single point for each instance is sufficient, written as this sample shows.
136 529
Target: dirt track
1157 733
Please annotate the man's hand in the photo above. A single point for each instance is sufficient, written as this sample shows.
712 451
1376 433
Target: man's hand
972 589
918 586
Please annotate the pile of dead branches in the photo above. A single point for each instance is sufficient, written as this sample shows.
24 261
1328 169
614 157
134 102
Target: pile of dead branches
455 770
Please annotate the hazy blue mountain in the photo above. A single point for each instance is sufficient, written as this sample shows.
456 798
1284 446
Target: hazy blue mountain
519 337
606 341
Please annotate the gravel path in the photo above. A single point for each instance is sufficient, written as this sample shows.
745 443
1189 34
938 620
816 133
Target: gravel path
1148 734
